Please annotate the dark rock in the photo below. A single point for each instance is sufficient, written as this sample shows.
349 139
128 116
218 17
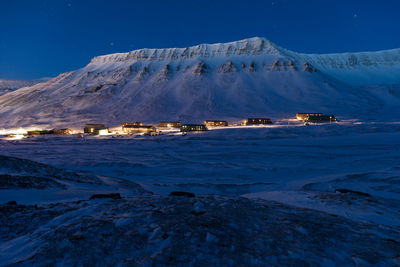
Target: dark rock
252 67
111 195
344 191
181 194
197 213
76 237
200 68
227 67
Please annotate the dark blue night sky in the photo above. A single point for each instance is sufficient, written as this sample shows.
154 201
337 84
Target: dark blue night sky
43 38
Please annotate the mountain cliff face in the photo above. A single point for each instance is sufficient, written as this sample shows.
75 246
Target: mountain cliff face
251 77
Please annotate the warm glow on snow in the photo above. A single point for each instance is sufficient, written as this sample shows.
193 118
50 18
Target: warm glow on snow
15 137
14 131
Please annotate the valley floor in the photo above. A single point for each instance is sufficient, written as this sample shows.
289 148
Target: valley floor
289 195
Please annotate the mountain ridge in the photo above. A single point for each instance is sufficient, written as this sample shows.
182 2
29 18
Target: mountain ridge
250 46
259 42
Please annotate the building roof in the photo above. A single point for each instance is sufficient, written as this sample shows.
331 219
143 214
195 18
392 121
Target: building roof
321 116
94 125
138 126
310 113
132 123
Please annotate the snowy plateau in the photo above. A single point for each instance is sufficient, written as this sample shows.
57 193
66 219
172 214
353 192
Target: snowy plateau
285 194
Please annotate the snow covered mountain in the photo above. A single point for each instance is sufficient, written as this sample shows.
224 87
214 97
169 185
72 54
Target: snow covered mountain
7 85
251 77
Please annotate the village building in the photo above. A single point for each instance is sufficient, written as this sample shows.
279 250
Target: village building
258 121
170 124
132 129
132 124
39 132
216 123
62 131
320 118
193 127
95 129
303 116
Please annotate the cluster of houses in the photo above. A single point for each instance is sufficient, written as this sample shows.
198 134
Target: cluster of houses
46 132
97 129
315 117
140 128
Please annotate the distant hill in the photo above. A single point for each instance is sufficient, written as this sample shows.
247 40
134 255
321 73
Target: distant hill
7 85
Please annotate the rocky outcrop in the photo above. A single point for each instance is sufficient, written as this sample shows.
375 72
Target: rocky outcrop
227 68
282 65
252 67
200 68
143 74
309 68
164 73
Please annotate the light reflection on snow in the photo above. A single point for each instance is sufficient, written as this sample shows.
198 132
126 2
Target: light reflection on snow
14 131
15 137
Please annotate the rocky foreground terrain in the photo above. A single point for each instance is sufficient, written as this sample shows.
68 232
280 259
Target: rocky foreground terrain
197 231
139 228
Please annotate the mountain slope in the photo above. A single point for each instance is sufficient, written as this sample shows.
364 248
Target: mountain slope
7 85
251 77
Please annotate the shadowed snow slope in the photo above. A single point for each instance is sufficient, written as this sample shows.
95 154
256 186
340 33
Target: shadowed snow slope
26 181
251 77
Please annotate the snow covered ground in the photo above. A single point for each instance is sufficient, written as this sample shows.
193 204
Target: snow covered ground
324 194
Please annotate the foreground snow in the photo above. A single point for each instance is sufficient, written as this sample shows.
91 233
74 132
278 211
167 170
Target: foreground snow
278 195
146 231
